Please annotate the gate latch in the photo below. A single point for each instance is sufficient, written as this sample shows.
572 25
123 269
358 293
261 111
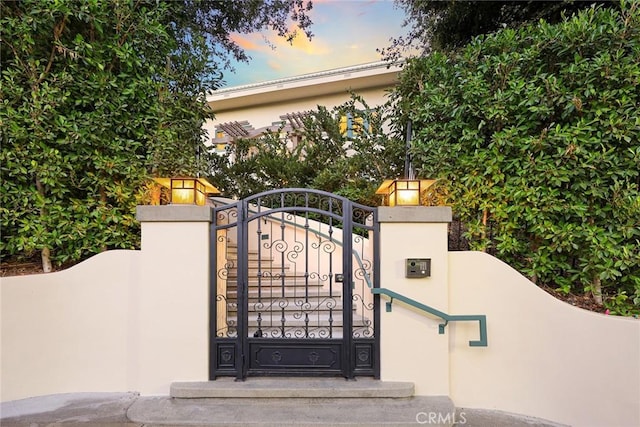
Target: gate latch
339 278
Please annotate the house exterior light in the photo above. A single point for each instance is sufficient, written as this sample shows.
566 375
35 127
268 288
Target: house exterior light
403 192
188 190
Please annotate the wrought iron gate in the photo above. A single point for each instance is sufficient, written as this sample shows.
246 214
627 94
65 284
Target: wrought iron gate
291 278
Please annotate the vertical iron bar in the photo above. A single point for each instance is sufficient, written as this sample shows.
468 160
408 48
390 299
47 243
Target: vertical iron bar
282 275
376 297
347 299
213 294
331 272
259 231
270 286
306 263
243 244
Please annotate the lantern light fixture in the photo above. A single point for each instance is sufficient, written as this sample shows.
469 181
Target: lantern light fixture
404 192
408 191
188 190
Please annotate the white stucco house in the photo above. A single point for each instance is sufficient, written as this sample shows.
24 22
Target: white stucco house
249 110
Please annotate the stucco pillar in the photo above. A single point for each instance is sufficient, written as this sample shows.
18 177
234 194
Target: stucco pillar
171 340
411 347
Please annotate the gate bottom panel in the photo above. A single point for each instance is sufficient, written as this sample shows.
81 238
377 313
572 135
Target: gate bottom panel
295 356
223 356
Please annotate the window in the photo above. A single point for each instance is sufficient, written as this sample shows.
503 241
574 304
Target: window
350 126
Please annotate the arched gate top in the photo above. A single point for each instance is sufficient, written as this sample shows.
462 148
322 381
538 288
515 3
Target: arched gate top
301 200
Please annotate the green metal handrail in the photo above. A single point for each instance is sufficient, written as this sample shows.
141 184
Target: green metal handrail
481 318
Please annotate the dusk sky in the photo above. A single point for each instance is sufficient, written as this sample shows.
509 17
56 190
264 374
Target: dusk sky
346 32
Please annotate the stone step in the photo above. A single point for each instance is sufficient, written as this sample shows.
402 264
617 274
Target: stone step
291 304
271 276
252 254
316 320
289 282
232 252
286 412
295 292
311 333
275 312
256 267
312 402
264 262
253 264
292 387
322 332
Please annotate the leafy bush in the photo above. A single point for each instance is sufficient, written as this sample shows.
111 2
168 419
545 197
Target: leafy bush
323 156
96 97
535 134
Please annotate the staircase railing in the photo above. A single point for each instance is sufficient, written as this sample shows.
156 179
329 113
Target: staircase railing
480 318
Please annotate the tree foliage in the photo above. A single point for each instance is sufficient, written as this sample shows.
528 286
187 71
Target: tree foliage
96 97
450 24
215 22
535 134
324 156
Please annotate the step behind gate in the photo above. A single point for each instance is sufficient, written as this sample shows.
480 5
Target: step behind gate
291 278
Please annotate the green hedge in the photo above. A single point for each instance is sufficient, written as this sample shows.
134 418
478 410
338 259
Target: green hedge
535 134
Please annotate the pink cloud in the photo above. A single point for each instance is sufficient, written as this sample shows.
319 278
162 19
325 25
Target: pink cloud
248 42
274 65
300 44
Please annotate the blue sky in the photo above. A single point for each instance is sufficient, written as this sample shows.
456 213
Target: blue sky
346 32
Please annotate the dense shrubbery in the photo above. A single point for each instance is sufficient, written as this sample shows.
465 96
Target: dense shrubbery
535 134
96 97
80 114
325 157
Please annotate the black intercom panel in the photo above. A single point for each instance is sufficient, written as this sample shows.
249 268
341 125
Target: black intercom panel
418 268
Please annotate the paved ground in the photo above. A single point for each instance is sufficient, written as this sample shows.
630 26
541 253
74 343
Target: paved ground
105 409
132 410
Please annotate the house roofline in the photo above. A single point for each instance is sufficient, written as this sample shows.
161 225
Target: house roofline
309 76
331 81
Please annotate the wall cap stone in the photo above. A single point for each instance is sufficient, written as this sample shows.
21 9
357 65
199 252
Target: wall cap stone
414 214
174 213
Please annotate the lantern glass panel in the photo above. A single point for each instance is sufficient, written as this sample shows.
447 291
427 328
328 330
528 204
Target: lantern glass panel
200 198
408 197
392 195
182 195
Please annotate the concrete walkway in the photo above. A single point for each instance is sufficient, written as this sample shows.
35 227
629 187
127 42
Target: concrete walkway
261 401
130 409
99 409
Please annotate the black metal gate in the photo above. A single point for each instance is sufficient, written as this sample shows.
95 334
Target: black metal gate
291 278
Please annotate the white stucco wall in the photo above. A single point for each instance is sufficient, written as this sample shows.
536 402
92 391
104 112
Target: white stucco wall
411 348
120 321
173 298
545 358
71 330
265 115
138 320
263 103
